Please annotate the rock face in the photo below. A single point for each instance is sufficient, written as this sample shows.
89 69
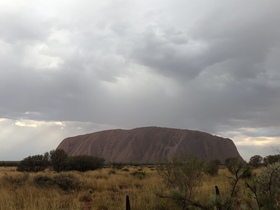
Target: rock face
149 144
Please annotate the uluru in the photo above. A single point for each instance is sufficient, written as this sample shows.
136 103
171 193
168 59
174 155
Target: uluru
150 144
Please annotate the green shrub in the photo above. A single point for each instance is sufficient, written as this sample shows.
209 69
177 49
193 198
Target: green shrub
102 207
9 163
67 181
101 176
256 160
182 177
248 174
33 163
211 168
265 188
59 160
139 174
84 163
270 159
85 197
43 180
112 172
233 165
15 180
117 165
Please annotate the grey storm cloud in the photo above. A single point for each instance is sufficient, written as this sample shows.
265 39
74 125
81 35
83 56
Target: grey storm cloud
185 64
21 26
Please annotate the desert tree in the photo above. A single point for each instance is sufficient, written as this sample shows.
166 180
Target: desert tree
212 167
265 188
84 163
182 176
58 160
33 163
239 170
256 160
270 159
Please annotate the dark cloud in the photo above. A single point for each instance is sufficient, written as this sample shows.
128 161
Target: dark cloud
211 67
167 57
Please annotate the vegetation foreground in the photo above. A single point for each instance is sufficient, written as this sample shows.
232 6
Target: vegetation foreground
56 181
100 189
149 187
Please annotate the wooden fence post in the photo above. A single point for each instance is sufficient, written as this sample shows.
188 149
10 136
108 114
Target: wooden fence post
218 204
217 191
127 203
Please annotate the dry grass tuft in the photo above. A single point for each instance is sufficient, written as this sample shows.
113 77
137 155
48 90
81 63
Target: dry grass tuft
103 189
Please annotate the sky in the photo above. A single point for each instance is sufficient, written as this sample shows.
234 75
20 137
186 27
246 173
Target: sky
72 67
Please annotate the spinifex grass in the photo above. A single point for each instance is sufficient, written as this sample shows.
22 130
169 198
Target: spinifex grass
101 189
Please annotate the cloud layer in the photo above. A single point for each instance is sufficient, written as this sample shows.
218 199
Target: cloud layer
96 65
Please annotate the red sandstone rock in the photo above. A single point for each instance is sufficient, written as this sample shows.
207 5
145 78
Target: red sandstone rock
150 144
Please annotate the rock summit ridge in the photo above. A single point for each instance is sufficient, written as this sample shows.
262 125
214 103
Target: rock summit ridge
150 144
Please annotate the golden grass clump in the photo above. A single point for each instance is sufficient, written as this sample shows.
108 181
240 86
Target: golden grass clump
102 189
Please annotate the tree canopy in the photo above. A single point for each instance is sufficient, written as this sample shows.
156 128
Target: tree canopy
256 160
34 163
59 161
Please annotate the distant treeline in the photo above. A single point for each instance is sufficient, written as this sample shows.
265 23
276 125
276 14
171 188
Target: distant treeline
9 163
123 164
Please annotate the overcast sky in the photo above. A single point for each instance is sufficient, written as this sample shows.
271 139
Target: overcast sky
71 67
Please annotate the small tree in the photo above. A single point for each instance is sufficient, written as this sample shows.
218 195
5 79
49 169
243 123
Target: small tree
212 167
84 163
265 188
33 163
59 160
183 177
270 159
256 160
239 169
